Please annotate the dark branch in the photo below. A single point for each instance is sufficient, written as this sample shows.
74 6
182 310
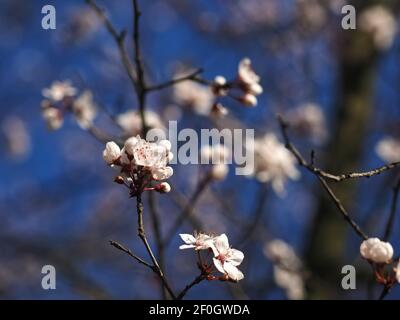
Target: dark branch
119 38
170 83
130 253
337 178
321 175
197 280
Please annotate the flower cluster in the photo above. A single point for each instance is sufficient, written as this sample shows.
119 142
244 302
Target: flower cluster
194 96
380 23
140 164
131 122
308 120
60 98
273 162
225 259
287 268
244 88
380 255
376 250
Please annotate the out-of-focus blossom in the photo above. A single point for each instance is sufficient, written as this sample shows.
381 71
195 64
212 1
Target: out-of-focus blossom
287 268
83 22
18 139
292 282
227 259
53 117
380 23
131 122
219 86
219 171
219 156
376 250
218 110
59 90
249 82
249 100
281 253
388 149
195 96
215 154
198 241
85 109
311 15
309 120
398 272
273 162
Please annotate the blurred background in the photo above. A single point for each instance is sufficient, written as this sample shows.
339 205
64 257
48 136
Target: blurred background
58 204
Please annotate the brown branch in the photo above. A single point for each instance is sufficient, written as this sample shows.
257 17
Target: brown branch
170 83
324 174
321 175
341 208
119 38
157 235
130 253
197 280
142 236
141 89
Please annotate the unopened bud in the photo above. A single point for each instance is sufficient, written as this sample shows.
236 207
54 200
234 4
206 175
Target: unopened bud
119 180
163 187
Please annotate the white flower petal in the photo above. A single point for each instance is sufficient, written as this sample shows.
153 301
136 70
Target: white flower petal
235 257
218 265
233 272
221 243
187 238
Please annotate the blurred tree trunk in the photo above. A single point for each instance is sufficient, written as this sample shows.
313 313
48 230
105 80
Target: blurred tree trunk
357 62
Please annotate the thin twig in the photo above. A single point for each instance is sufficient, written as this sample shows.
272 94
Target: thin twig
157 235
141 89
321 175
119 38
170 83
197 280
385 292
142 236
130 253
341 208
337 178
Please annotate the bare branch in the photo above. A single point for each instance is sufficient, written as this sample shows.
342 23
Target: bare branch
170 83
142 236
119 38
197 280
130 253
321 175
